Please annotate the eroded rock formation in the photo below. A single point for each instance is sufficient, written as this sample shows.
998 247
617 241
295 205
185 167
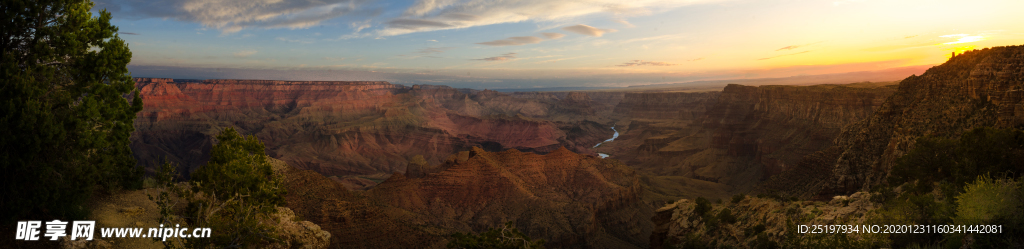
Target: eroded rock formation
359 132
731 140
976 89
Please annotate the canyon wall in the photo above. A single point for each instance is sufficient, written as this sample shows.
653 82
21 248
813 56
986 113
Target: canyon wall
359 132
980 88
730 140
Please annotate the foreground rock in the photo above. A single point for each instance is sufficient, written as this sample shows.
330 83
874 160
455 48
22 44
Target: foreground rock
758 222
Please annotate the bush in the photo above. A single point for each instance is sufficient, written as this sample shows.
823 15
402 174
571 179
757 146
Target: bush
239 166
989 201
738 198
726 216
506 237
233 194
702 206
977 152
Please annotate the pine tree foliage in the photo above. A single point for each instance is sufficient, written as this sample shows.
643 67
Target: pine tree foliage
64 114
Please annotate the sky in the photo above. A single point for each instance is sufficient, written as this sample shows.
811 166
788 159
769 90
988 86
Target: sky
498 44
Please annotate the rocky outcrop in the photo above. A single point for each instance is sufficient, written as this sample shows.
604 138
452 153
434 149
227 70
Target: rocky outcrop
980 88
759 222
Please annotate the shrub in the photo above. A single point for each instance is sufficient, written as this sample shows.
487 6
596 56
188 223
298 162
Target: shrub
506 237
726 216
233 194
738 198
702 206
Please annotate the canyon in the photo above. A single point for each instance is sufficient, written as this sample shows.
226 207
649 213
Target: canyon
372 159
357 132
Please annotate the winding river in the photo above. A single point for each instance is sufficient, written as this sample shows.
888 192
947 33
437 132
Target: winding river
616 135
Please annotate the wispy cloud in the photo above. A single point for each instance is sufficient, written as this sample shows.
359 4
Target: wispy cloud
963 38
289 40
231 16
432 50
624 22
634 63
513 41
551 35
791 47
559 59
908 37
244 53
587 30
456 14
127 33
773 57
504 57
416 24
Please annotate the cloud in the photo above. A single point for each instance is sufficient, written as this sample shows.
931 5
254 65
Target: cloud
634 63
504 57
624 22
588 30
127 33
550 35
289 40
773 57
791 47
513 41
231 16
244 53
963 38
415 24
427 52
908 37
471 13
433 50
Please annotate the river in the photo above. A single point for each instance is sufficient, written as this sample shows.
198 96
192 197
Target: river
616 135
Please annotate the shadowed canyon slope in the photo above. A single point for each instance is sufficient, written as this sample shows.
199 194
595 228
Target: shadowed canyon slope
568 199
717 143
369 129
980 88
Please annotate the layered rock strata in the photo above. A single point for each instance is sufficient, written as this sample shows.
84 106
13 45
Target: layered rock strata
734 138
359 132
980 88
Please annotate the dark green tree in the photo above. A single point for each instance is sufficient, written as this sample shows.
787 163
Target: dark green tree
239 165
233 194
65 120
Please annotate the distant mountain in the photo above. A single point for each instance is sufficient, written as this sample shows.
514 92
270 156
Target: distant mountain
887 75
